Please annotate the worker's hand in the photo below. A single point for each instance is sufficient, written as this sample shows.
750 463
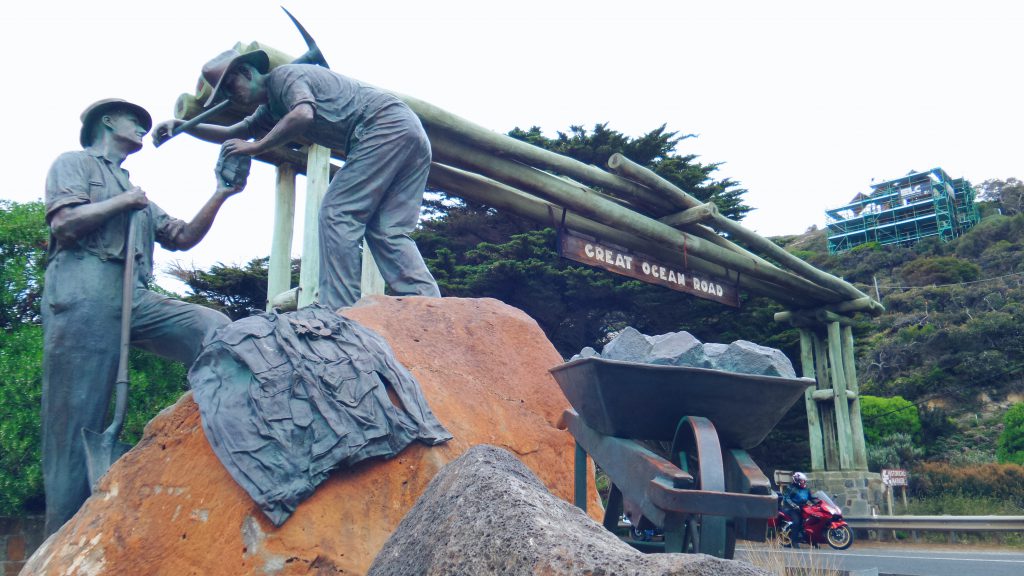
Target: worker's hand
162 131
225 191
236 146
135 199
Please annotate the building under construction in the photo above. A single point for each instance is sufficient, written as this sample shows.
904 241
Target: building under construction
903 211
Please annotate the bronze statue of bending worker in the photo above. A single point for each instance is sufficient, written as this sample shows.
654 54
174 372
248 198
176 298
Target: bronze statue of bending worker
378 192
89 199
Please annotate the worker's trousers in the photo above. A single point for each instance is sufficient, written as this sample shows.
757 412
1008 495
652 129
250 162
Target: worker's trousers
376 195
81 313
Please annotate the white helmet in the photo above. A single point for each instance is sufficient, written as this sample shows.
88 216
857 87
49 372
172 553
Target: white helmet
800 479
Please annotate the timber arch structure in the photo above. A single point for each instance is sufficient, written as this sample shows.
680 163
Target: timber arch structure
627 205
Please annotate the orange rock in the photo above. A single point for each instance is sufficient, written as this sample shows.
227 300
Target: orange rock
170 507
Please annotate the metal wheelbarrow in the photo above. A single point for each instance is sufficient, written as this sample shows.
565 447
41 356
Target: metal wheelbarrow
706 491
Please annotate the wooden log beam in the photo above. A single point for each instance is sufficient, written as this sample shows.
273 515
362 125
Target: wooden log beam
438 121
828 395
622 165
697 214
831 313
584 201
503 197
809 318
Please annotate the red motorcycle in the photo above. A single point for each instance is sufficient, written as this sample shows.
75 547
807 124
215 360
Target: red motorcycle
823 522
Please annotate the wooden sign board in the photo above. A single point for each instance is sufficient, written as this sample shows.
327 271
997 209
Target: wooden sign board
894 477
593 252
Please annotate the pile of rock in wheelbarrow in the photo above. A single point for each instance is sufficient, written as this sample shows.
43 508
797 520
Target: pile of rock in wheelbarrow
683 349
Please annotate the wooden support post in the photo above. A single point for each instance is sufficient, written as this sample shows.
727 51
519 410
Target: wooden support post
813 420
318 166
279 269
371 282
842 403
860 451
826 411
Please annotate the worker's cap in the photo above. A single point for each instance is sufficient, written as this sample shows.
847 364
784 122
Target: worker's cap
217 69
97 109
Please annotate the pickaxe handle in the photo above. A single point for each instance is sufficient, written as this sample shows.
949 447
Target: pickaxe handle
162 136
312 56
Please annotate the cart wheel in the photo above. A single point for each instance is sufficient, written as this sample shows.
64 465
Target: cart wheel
697 450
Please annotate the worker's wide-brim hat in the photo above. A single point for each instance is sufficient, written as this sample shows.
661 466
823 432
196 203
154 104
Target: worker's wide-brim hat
97 109
217 69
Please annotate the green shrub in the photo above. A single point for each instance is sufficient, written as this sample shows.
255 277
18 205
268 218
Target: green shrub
884 417
21 477
1011 441
893 451
155 383
939 270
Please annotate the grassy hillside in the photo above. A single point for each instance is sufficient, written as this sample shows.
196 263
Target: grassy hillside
950 340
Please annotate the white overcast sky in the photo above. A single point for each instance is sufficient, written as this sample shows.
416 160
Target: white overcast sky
803 102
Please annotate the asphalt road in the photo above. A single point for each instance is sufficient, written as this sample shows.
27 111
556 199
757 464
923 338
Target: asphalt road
907 560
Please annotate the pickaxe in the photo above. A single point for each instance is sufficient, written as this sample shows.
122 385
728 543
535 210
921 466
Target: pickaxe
312 56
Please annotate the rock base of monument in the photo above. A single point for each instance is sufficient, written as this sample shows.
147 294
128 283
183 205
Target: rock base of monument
170 507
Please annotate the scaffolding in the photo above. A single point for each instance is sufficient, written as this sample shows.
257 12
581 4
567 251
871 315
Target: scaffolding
904 211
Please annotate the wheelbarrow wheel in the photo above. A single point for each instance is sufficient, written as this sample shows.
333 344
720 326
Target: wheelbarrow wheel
697 450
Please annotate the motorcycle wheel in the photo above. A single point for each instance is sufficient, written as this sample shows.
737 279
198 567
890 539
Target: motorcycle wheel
840 538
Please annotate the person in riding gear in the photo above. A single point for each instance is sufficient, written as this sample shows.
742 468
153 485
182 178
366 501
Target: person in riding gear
797 494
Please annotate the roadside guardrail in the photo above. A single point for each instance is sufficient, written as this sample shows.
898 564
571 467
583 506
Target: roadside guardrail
951 524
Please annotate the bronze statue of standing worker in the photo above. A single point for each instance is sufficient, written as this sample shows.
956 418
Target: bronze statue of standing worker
89 201
377 193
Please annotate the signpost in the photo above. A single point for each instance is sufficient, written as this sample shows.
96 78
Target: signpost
895 477
589 250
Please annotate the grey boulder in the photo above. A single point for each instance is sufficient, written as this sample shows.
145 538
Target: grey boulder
710 356
486 513
674 349
749 358
628 345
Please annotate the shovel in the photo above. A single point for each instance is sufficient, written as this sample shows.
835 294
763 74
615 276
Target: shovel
102 450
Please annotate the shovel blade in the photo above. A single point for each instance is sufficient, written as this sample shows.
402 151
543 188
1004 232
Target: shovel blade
101 451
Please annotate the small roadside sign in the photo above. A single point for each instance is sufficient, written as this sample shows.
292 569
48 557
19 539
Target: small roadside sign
894 477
